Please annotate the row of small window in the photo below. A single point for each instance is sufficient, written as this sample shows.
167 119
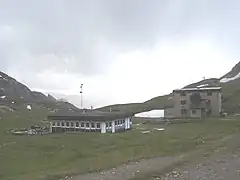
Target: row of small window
71 124
183 93
118 122
183 102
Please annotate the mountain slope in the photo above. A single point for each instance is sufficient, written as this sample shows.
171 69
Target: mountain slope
230 84
234 74
14 93
159 102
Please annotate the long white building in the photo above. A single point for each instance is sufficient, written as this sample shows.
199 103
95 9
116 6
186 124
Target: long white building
93 121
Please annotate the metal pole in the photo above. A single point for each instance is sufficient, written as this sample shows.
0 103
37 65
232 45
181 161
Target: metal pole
81 92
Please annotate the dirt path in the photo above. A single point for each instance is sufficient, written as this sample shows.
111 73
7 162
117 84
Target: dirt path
128 171
218 167
222 164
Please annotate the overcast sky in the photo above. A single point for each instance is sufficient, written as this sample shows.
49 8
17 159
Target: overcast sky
121 50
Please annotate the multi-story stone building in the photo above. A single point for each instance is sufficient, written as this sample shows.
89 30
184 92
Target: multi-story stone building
195 102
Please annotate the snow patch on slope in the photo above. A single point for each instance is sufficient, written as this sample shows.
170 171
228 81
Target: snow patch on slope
225 80
151 114
202 85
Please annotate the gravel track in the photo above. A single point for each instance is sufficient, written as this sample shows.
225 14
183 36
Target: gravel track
218 167
222 164
128 171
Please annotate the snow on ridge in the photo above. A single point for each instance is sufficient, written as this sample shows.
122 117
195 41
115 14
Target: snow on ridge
3 97
202 85
225 80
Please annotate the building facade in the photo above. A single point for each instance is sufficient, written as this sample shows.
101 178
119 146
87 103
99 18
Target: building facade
90 122
195 103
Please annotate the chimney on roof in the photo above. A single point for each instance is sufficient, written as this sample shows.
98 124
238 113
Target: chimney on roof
91 107
110 110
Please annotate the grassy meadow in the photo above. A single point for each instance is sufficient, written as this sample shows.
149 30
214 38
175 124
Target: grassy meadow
50 157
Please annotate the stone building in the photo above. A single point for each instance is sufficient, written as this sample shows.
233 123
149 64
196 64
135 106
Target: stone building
195 103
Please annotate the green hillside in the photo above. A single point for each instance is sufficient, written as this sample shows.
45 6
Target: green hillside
160 102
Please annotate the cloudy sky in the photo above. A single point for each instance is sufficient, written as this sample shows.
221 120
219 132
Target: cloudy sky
121 50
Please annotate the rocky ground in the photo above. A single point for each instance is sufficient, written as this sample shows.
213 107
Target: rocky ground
130 170
218 167
222 163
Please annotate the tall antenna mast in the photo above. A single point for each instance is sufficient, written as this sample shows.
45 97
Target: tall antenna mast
81 92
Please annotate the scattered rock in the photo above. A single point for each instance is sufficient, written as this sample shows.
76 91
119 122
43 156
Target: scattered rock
29 107
145 132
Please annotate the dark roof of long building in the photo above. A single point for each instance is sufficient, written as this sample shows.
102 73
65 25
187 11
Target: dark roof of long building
89 115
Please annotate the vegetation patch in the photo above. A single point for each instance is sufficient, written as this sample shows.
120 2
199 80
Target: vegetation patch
58 155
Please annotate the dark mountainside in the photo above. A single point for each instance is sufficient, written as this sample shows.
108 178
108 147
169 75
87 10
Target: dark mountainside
230 83
14 94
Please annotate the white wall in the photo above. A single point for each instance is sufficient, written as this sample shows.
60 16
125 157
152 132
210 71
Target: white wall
103 127
113 126
127 123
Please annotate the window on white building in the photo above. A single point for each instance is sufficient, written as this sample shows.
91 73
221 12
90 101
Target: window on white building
58 123
110 124
92 125
62 123
98 125
72 124
77 124
82 124
53 123
115 123
67 123
87 125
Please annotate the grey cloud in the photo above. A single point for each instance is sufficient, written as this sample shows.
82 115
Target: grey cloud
87 33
